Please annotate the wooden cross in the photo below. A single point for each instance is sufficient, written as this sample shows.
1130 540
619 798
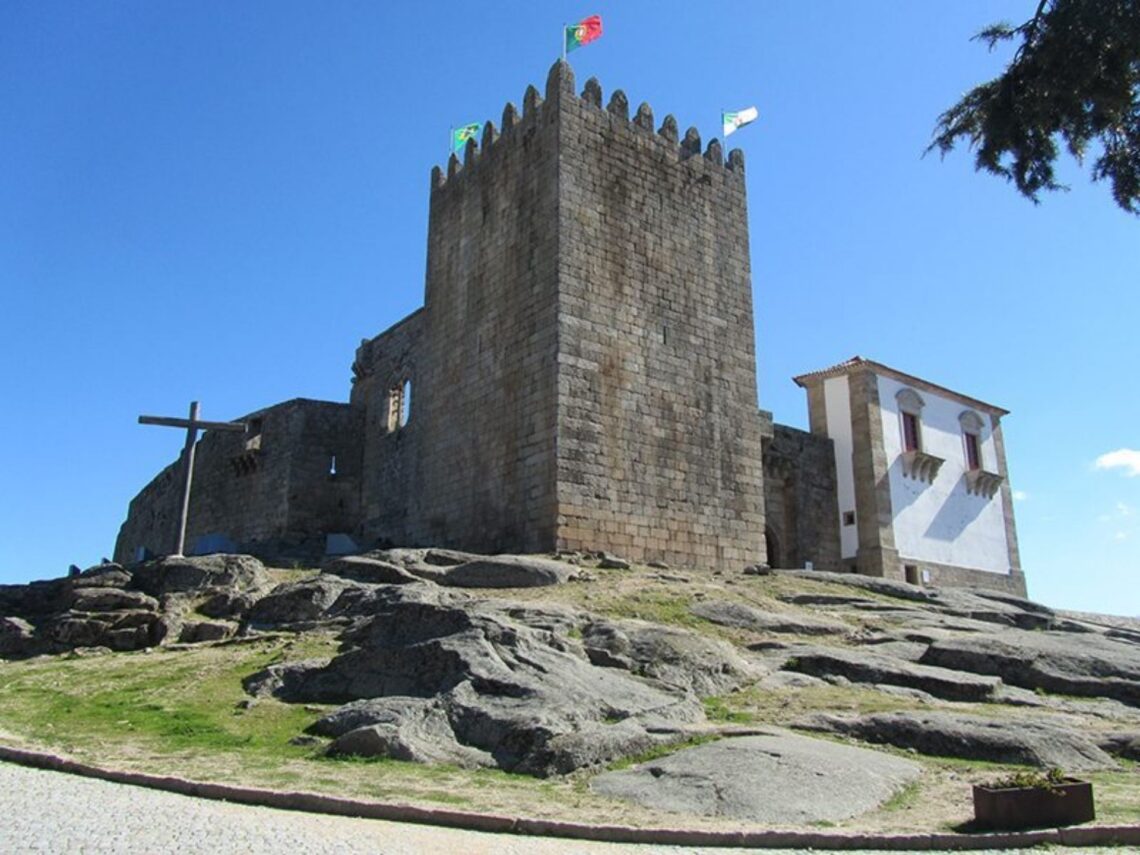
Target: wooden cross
192 425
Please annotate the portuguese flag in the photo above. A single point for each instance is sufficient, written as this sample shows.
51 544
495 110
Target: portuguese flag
585 31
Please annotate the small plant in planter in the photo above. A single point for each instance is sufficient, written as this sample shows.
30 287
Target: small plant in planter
1033 800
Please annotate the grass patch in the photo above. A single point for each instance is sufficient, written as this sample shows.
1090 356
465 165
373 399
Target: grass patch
904 799
720 709
658 751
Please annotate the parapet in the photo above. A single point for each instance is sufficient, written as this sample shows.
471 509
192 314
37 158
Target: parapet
560 86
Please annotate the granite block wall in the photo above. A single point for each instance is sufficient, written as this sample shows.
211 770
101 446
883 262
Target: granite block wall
659 452
270 492
384 365
486 388
800 505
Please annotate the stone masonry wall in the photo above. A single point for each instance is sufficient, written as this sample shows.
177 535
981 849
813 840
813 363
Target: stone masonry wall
382 366
659 449
485 400
269 492
800 505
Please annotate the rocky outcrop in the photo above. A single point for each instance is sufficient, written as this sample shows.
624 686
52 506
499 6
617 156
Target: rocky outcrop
197 574
129 608
860 666
436 673
776 779
728 613
1004 740
459 569
1095 665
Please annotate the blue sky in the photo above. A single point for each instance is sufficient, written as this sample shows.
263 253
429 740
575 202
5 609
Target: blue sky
217 201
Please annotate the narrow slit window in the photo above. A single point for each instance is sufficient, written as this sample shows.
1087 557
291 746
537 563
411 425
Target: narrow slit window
405 403
910 432
973 452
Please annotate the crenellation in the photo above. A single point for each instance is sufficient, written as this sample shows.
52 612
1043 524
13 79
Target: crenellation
691 144
470 152
490 135
531 102
668 130
452 166
592 93
619 105
644 117
510 117
713 152
559 80
736 160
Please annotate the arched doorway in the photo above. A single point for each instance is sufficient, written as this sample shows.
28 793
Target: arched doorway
772 544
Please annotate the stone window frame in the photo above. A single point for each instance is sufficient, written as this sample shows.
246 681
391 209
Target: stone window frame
917 464
910 411
399 403
972 429
979 480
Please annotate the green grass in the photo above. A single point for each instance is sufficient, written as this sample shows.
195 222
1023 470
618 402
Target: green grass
659 751
720 709
904 799
162 701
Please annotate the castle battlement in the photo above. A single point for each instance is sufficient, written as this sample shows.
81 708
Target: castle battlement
560 91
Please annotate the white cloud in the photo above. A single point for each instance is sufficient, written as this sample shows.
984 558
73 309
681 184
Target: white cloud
1127 459
1120 535
1020 495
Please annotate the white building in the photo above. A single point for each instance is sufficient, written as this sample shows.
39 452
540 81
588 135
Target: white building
923 492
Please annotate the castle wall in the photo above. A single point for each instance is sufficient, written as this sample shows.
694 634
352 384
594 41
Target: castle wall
486 394
659 450
799 500
269 492
382 367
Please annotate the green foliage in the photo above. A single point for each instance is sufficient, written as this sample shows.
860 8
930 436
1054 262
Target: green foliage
1075 77
1030 779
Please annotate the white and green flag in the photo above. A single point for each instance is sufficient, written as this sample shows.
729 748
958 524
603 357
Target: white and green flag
736 121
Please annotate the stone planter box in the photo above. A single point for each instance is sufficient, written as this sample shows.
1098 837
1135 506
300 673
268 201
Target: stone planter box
1068 803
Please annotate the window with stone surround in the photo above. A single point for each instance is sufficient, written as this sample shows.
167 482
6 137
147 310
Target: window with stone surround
399 405
910 417
972 426
917 463
979 481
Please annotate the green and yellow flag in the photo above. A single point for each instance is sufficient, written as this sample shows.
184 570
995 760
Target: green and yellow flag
459 137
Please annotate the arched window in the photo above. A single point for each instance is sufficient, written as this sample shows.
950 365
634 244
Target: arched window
399 410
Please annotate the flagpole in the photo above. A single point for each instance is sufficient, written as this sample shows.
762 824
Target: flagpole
723 138
450 143
563 41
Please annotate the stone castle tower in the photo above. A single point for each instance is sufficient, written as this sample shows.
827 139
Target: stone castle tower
584 365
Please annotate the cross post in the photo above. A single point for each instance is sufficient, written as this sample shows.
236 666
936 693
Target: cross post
192 425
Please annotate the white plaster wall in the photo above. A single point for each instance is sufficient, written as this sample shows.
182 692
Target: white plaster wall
837 402
941 522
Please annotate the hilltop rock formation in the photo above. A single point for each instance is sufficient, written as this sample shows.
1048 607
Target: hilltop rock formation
775 778
435 674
